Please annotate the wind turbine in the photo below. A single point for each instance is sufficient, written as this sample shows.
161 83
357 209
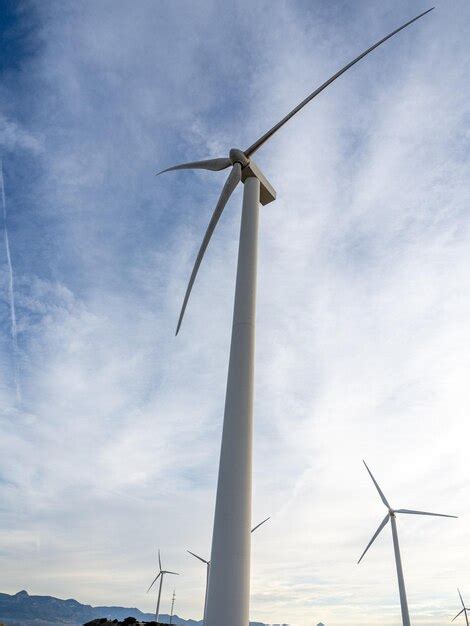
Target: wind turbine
391 513
464 610
208 566
160 575
229 585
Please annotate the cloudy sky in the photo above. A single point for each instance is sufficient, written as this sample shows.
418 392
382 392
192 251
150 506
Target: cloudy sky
110 427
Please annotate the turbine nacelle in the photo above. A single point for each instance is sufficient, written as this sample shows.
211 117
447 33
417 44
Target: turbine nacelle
238 156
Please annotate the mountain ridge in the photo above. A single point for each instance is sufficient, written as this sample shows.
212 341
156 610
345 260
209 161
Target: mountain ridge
22 609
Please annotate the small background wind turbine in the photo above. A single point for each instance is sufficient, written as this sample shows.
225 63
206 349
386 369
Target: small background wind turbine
229 585
208 566
464 610
160 575
391 513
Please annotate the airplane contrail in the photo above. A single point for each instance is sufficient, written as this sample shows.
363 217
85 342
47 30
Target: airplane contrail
11 290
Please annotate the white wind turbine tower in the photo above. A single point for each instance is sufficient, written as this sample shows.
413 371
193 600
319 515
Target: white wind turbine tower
208 567
464 610
229 586
160 575
391 513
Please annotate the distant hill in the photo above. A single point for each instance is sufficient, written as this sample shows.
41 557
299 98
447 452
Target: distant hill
21 609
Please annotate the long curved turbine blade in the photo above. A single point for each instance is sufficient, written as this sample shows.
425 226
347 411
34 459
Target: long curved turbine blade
154 581
377 533
260 524
159 560
381 494
168 572
252 149
453 620
424 513
215 165
232 181
198 557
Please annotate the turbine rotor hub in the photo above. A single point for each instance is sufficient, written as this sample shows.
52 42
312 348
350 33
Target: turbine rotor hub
237 156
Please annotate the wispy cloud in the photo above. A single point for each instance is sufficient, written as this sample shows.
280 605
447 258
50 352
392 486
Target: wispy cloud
11 291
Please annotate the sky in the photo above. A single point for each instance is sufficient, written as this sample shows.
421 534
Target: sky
110 426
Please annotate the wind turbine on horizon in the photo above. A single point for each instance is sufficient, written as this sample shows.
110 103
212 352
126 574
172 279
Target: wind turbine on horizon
160 575
208 567
464 610
390 517
229 585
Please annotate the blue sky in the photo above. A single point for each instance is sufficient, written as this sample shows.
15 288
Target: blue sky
363 300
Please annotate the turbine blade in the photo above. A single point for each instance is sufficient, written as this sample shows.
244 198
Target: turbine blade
154 581
381 494
461 599
377 533
232 181
215 165
458 614
424 513
198 557
252 149
159 560
168 572
260 524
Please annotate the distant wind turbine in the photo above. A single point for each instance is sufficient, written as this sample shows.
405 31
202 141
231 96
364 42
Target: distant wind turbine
464 610
391 513
160 575
208 566
229 586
